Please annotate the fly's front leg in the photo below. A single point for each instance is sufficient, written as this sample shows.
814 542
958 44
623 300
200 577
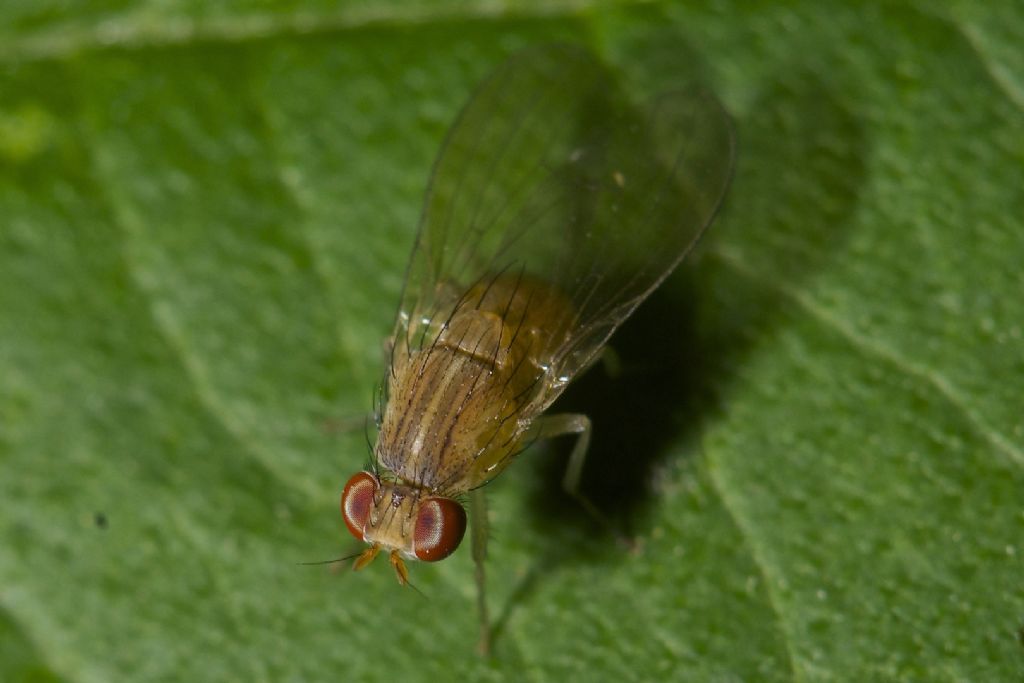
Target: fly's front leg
478 539
549 426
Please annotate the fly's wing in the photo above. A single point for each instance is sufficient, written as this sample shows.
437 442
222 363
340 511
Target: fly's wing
549 173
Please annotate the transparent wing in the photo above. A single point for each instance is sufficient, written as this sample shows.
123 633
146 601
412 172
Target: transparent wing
551 174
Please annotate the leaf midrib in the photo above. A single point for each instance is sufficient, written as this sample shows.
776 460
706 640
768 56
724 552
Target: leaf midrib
128 33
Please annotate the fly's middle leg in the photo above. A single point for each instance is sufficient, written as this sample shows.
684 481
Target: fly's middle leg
550 426
563 424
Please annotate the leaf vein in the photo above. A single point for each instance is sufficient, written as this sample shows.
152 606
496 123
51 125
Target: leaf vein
732 508
866 344
140 33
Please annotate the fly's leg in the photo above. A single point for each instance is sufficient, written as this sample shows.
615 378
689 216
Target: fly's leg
346 424
550 426
611 362
357 423
478 539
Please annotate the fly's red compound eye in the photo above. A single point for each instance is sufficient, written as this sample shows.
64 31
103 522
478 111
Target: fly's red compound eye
440 526
357 502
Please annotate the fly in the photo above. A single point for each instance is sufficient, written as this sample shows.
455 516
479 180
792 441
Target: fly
555 207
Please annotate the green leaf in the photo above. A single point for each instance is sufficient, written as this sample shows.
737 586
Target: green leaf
816 433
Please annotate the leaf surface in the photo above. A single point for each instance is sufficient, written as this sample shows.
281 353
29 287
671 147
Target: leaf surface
815 434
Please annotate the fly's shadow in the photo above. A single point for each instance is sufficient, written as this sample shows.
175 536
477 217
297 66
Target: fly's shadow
799 173
639 399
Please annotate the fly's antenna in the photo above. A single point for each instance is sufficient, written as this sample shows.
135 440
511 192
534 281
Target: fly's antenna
334 561
418 591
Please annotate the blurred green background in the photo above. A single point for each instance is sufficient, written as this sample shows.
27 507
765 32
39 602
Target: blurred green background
816 435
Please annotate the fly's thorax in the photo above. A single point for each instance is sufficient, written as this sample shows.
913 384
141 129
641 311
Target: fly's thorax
452 402
400 518
459 391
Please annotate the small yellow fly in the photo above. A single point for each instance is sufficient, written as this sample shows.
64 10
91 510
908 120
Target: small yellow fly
554 209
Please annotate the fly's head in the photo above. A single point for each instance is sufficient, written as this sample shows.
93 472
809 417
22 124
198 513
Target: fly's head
400 520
